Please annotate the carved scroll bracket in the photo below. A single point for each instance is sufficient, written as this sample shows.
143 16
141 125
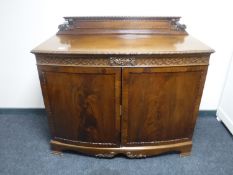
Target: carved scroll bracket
175 25
67 25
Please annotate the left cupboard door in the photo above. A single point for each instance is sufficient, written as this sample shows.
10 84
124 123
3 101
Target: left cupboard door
83 104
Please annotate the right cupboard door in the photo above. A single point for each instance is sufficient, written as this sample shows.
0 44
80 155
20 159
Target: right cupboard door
160 104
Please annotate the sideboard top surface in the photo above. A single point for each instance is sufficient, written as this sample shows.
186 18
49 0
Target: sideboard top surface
122 44
122 35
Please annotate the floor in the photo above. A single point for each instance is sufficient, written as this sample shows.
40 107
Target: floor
24 149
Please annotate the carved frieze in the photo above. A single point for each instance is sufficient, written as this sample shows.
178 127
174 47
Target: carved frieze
127 61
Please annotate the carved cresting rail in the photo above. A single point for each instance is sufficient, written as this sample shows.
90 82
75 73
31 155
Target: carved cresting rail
122 25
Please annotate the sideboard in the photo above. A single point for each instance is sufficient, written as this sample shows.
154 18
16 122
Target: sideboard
122 85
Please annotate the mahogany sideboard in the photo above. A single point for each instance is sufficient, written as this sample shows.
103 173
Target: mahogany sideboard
122 85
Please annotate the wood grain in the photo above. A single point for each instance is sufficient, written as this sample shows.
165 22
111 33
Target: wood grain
122 44
159 104
85 104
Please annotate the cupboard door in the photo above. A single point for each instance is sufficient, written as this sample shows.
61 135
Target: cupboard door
84 104
160 104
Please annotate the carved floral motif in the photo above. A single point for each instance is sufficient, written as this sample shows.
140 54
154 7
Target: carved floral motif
106 155
121 61
128 154
135 155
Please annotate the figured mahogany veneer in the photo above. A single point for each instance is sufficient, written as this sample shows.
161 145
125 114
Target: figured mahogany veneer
122 85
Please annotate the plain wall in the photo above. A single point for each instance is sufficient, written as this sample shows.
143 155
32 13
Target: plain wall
27 23
225 110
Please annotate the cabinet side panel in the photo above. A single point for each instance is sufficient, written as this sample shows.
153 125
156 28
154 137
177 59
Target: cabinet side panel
46 101
161 104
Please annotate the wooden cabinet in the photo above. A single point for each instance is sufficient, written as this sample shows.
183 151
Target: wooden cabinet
122 85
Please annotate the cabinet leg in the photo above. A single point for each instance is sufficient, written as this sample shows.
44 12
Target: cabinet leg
186 151
185 154
56 150
59 153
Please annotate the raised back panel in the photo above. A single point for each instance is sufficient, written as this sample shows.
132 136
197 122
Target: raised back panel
122 25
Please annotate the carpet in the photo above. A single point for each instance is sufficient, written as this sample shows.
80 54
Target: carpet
24 150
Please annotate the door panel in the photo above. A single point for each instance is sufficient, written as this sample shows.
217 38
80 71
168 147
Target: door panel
85 104
160 104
